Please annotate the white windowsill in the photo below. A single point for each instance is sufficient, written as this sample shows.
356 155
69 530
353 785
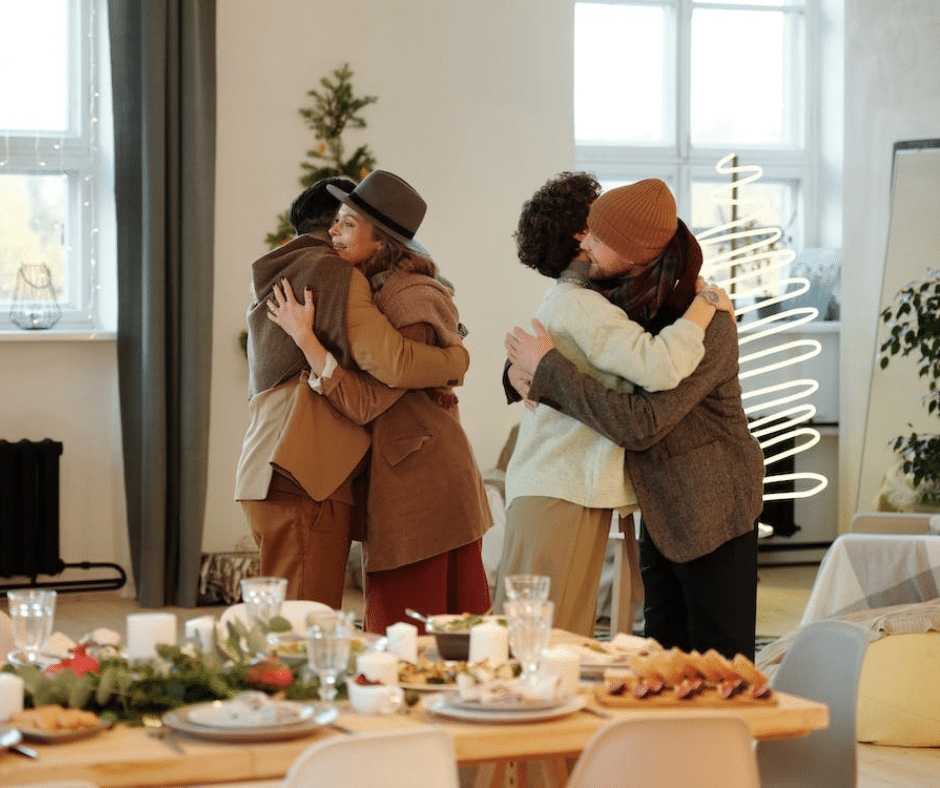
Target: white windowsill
52 335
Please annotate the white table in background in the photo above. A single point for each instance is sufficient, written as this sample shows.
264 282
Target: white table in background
869 571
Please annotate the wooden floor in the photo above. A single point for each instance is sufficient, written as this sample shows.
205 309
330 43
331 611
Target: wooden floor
782 595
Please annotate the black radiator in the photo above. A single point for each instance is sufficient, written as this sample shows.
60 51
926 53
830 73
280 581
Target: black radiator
29 518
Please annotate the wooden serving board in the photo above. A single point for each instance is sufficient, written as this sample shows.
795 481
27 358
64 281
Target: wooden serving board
705 699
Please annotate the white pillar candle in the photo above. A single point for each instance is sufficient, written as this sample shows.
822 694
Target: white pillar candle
201 629
378 666
403 641
11 695
146 630
564 665
489 641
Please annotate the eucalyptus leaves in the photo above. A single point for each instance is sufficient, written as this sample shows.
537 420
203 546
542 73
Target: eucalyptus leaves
105 682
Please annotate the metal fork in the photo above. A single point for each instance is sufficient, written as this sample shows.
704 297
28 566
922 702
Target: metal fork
157 728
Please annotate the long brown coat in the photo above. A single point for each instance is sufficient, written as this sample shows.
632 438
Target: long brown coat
426 494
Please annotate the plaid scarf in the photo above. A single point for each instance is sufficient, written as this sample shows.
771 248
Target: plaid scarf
658 294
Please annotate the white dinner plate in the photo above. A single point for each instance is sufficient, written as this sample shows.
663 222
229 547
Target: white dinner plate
178 720
440 704
231 714
515 705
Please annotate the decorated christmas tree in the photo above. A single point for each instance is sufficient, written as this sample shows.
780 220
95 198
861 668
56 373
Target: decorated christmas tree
335 108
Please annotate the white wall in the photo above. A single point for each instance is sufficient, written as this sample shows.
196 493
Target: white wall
474 110
892 93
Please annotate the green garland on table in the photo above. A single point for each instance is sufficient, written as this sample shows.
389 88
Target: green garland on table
123 690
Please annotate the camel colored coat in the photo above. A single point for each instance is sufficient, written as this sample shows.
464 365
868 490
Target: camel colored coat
426 494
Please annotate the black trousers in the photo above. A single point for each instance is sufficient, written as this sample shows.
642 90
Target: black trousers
710 602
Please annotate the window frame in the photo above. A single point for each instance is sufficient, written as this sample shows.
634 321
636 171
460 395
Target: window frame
682 162
75 152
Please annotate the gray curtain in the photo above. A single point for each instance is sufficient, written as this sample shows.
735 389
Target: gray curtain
163 78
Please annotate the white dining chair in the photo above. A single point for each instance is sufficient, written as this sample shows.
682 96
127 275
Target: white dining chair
824 664
397 758
707 752
294 610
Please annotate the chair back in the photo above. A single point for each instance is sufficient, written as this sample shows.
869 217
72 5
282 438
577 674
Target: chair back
712 751
396 758
912 523
824 664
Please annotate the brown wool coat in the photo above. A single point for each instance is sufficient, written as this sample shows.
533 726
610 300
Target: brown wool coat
426 494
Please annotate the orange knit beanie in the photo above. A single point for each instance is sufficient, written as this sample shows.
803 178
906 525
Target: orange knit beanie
637 221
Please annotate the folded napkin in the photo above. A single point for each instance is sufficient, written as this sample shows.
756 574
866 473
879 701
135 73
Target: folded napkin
617 649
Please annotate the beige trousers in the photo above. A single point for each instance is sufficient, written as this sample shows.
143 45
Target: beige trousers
566 542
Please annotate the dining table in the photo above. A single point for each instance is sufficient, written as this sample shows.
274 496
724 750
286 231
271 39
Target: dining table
127 756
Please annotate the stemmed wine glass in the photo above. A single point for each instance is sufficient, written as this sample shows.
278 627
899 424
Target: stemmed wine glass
530 623
328 638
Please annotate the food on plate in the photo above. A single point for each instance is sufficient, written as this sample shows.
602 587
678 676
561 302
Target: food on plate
506 692
52 718
438 673
461 623
687 674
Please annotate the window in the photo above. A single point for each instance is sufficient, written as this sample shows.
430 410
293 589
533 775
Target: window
51 167
667 88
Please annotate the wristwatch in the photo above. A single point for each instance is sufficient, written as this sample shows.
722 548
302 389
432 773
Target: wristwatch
709 295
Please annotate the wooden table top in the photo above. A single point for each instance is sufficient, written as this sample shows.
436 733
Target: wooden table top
127 757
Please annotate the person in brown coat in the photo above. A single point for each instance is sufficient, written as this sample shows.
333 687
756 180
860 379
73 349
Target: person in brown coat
426 509
300 456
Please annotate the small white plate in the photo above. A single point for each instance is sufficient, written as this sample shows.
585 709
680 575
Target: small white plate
42 660
440 704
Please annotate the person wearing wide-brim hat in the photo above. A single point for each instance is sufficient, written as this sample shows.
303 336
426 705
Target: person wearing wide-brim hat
426 509
294 475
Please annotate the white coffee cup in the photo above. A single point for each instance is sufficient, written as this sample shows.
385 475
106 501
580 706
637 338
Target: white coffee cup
375 698
378 666
563 664
11 695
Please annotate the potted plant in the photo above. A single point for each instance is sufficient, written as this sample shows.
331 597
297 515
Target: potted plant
913 321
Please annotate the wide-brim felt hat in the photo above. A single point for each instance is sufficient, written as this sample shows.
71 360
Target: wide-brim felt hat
389 202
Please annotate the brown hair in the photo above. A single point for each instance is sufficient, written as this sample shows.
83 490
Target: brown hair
393 255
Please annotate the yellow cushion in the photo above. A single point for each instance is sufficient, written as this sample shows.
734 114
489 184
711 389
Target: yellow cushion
899 691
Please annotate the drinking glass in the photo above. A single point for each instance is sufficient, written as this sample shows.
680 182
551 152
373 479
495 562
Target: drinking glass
328 637
527 587
263 597
32 612
530 624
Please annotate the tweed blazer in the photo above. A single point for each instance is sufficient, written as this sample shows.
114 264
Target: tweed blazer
697 470
425 492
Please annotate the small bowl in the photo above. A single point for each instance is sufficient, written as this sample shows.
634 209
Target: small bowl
375 698
452 645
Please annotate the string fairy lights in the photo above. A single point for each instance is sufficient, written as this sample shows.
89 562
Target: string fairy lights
740 256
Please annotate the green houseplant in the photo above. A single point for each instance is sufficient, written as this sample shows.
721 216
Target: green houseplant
913 323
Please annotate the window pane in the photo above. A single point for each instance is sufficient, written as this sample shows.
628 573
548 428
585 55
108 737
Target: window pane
765 206
612 45
745 77
33 65
32 227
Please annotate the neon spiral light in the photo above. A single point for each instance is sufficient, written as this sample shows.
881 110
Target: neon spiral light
749 249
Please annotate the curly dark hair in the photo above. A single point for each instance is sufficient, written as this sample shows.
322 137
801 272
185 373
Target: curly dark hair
549 220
